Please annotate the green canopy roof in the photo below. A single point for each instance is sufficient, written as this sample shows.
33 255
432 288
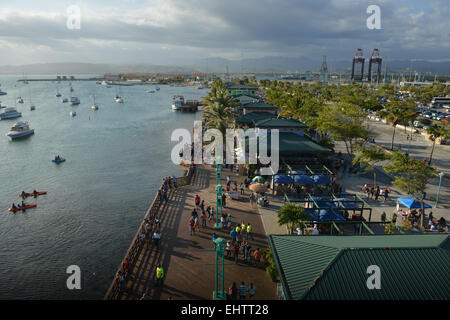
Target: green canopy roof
259 105
335 267
234 86
245 99
252 117
291 143
280 123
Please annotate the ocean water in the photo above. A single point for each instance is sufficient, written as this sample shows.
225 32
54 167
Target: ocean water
116 158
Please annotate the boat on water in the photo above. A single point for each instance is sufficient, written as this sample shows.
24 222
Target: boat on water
74 100
94 106
23 208
64 100
151 91
32 108
202 87
178 101
10 113
158 88
118 99
58 159
2 93
58 94
20 129
72 113
19 100
32 194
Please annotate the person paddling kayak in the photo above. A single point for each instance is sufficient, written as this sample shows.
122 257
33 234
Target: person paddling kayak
23 194
35 193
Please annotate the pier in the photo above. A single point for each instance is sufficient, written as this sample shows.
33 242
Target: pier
188 259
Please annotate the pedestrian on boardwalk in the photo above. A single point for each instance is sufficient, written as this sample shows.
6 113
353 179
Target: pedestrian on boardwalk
229 221
228 249
242 188
251 291
156 237
228 188
257 257
214 237
222 221
252 199
165 195
235 249
202 206
239 237
212 214
203 216
383 217
242 291
208 211
126 265
196 225
224 200
142 238
197 200
249 231
233 291
122 282
233 235
237 169
191 226
243 246
159 275
228 180
386 194
160 195
377 193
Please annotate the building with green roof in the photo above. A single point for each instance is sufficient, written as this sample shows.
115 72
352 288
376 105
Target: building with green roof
258 107
245 99
284 124
412 267
237 89
250 119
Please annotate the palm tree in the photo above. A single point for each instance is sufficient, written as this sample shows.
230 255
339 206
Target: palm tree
436 131
219 108
396 112
291 215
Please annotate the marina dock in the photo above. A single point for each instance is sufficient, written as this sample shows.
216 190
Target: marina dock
188 260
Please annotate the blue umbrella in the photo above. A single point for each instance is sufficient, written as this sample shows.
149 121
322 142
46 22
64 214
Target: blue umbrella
303 179
282 179
321 179
411 203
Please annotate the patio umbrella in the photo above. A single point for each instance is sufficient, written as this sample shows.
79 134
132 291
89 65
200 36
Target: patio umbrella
321 179
303 179
258 179
258 187
282 179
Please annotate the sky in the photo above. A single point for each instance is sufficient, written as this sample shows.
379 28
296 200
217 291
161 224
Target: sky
182 32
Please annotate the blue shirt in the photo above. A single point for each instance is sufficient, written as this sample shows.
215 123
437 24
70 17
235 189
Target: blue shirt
233 234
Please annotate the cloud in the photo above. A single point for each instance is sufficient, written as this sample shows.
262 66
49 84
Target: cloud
177 31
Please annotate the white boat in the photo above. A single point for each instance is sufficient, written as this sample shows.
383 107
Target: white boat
118 99
10 113
74 101
151 91
104 83
72 113
94 106
19 130
19 100
64 100
178 101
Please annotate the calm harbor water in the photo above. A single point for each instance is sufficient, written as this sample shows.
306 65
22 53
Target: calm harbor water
116 158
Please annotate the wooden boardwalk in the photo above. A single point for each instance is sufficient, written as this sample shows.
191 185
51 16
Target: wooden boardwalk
184 258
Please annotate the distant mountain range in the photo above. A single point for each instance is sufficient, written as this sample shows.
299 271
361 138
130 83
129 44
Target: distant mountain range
220 65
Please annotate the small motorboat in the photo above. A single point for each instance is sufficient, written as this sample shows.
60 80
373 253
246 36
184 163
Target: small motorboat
72 113
19 100
94 107
32 108
58 95
64 100
58 159
74 100
23 208
10 113
19 130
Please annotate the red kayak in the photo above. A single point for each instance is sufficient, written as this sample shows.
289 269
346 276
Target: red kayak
28 206
32 194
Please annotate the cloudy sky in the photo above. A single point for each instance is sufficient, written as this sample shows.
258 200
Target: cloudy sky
184 31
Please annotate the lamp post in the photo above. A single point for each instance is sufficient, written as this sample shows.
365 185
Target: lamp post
441 174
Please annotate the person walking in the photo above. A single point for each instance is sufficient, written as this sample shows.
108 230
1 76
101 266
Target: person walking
228 248
235 249
383 217
257 257
249 231
233 291
197 200
242 188
156 237
191 226
196 225
233 235
228 180
159 275
203 216
386 194
251 291
242 291
224 200
252 199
